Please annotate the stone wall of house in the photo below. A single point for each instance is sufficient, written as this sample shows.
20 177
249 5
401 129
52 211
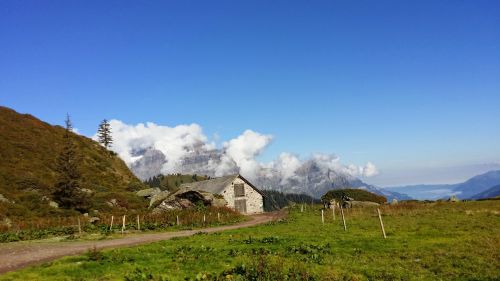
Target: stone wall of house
254 200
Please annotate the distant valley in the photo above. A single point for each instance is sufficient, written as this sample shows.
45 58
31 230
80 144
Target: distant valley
478 187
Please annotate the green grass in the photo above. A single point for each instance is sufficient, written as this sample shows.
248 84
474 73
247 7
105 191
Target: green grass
437 241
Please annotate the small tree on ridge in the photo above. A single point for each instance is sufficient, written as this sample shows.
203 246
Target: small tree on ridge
104 134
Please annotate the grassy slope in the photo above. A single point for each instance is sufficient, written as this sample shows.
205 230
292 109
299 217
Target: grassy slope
440 241
29 151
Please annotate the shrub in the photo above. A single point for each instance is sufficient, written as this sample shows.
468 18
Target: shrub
142 275
356 194
94 254
266 268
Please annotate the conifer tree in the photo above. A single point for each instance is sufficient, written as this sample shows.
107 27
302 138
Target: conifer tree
104 134
67 191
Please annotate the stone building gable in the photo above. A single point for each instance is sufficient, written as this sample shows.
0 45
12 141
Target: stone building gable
254 201
250 201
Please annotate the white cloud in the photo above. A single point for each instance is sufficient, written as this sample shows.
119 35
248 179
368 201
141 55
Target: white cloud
332 162
370 170
173 142
238 154
244 149
287 164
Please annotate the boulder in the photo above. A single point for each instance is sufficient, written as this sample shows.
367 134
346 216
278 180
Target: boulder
148 192
159 197
174 204
112 203
181 199
86 190
3 199
394 201
53 204
454 198
6 222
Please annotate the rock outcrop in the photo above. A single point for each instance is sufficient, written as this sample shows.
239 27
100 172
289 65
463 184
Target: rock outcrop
181 199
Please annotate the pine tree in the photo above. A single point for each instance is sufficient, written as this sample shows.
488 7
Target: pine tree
104 134
67 191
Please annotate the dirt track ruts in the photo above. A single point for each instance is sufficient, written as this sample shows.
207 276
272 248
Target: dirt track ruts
17 255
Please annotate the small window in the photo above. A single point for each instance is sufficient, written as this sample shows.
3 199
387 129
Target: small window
239 190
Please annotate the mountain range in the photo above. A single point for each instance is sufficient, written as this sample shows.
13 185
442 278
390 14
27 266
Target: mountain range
313 177
30 146
489 193
470 189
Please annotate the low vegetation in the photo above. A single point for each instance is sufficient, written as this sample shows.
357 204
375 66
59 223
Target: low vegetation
67 227
276 200
425 241
356 194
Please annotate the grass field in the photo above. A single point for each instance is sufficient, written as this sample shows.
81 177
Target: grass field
433 241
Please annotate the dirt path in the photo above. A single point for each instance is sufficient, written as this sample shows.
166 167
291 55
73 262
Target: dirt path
17 255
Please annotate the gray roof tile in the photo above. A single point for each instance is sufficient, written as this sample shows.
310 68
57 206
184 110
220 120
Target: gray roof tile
215 186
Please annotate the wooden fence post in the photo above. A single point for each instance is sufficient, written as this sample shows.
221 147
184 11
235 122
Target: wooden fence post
178 223
138 223
204 219
322 217
302 208
343 218
79 227
381 223
218 217
123 224
111 225
333 211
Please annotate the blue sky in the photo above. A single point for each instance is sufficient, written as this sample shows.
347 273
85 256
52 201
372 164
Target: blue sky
407 85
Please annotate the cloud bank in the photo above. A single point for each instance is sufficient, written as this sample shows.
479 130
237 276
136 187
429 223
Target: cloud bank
187 149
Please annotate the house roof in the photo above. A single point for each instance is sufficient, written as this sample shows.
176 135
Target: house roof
217 185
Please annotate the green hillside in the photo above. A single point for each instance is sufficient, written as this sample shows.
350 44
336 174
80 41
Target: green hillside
356 194
29 149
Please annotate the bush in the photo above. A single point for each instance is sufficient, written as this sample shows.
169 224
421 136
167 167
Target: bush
34 234
265 268
142 275
94 254
276 200
356 194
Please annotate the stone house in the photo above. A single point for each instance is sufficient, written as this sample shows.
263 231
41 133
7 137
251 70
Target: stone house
238 192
